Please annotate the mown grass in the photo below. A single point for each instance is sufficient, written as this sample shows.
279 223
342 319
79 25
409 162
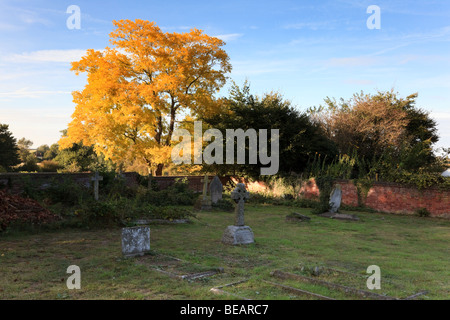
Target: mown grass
413 254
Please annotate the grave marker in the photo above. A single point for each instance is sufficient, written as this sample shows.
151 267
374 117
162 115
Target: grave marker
135 241
96 178
206 200
335 199
216 189
239 233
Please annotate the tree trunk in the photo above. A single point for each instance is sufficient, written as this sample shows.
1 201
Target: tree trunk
159 170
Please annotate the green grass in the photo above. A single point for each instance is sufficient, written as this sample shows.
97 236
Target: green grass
413 254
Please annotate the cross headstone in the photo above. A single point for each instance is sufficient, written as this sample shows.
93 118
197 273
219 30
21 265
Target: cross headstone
206 201
239 233
96 178
335 199
216 189
205 181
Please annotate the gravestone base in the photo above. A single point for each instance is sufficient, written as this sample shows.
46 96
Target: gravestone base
235 235
206 205
135 241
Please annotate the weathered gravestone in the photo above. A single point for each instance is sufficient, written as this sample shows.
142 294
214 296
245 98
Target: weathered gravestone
335 204
206 200
335 199
135 241
216 189
239 233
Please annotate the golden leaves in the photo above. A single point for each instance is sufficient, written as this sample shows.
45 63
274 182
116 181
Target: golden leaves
135 90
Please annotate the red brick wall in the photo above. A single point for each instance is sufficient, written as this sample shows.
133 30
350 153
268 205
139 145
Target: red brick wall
391 197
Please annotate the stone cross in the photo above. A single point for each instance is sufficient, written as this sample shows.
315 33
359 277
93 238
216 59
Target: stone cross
239 195
96 178
205 181
206 201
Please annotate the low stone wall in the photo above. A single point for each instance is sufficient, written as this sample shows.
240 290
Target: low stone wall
194 182
15 182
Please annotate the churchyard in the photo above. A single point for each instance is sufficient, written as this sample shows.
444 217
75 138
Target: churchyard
261 250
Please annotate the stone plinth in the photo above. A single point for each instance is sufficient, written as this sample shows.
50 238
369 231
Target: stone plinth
235 235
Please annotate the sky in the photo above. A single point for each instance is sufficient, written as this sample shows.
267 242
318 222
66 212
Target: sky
306 50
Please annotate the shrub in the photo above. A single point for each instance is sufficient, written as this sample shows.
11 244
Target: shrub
177 194
224 205
422 212
65 191
325 185
49 166
100 213
169 213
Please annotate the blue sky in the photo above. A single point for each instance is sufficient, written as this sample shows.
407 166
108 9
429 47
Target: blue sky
306 50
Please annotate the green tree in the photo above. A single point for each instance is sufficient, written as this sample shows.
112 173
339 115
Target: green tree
52 152
41 150
299 138
374 125
24 146
8 148
30 164
80 158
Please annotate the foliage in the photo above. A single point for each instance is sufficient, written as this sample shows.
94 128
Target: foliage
8 147
122 212
176 194
135 90
325 185
422 212
396 169
30 164
81 158
49 166
374 124
224 205
24 146
52 152
299 139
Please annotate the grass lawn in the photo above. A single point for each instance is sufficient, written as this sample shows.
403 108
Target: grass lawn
413 254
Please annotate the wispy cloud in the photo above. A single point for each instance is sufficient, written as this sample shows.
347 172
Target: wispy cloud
360 82
64 56
314 25
352 61
229 36
26 93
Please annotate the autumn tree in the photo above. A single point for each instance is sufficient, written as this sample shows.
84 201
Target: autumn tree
137 90
378 126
